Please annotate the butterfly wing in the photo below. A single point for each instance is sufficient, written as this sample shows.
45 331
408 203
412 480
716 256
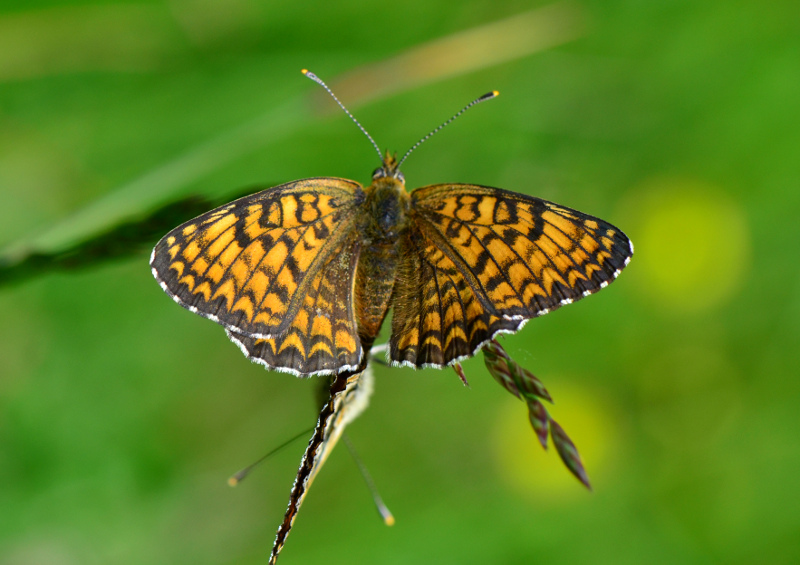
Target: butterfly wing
276 266
478 261
322 337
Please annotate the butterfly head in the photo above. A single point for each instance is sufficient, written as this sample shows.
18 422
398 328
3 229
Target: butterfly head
390 168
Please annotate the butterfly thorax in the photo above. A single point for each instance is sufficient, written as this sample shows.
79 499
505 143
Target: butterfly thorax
386 212
388 204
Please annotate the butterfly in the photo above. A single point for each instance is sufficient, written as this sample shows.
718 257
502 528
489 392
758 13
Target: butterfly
303 275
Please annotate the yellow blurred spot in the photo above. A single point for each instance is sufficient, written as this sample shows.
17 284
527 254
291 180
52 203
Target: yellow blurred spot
527 469
692 244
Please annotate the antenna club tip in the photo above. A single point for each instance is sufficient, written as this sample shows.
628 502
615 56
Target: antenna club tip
388 520
233 481
304 71
488 96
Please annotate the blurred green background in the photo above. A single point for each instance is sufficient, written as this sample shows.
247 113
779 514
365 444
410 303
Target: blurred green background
122 415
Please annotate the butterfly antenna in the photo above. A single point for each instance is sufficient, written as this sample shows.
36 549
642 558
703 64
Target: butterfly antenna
318 80
386 515
241 475
484 98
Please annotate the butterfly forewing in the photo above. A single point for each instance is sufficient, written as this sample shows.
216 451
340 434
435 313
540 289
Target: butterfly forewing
483 260
278 264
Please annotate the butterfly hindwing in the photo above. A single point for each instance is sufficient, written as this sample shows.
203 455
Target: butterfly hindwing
316 344
483 260
437 315
262 265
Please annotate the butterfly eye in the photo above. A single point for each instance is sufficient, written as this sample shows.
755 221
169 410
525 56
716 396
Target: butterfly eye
400 176
378 173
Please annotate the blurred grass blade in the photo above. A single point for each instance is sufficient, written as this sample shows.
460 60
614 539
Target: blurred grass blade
164 183
463 52
123 240
133 237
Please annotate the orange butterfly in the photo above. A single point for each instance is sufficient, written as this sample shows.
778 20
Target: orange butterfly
302 275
